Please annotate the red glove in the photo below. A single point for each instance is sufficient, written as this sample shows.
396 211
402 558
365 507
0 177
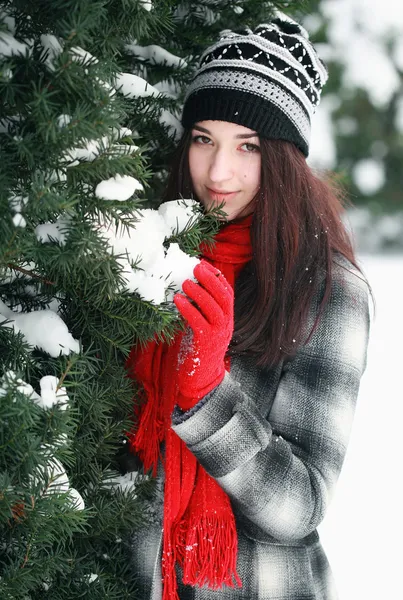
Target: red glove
201 358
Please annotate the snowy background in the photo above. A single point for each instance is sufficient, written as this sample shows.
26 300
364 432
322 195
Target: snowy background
362 529
363 526
359 33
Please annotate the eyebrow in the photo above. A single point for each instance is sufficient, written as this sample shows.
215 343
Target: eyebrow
240 136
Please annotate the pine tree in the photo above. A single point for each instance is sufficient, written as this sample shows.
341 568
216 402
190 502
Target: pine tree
67 321
82 141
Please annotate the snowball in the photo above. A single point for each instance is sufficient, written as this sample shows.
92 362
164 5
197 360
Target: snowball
45 330
178 214
120 187
151 288
178 266
170 271
142 240
142 245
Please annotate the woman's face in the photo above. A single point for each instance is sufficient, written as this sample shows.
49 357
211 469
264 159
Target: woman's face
224 162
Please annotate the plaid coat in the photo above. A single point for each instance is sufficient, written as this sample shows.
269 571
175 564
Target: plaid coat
275 440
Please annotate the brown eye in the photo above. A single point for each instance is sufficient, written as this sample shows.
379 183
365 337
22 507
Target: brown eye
201 139
251 147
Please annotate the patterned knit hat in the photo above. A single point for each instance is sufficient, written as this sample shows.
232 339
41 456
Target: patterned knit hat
268 80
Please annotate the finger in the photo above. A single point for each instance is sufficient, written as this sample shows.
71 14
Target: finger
209 266
209 308
216 284
190 313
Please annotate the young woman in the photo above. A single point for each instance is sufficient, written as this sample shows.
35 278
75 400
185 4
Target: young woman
250 409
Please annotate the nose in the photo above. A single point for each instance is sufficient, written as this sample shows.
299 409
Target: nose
221 166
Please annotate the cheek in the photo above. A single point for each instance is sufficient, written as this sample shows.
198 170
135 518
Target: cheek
196 165
252 174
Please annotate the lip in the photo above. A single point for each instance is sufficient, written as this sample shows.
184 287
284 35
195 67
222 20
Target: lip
220 193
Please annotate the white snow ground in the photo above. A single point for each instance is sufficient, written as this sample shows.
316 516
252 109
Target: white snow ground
363 527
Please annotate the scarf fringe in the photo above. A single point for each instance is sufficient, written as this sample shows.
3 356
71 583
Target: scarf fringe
149 435
210 552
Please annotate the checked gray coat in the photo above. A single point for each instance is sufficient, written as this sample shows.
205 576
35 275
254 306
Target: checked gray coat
275 441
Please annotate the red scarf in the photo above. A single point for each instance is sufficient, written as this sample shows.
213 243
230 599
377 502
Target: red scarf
199 531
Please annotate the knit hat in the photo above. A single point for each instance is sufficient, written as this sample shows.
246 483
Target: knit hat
268 80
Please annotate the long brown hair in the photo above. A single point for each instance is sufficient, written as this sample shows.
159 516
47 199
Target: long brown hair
296 231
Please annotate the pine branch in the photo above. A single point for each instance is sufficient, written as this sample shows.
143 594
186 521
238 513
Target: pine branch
63 377
30 273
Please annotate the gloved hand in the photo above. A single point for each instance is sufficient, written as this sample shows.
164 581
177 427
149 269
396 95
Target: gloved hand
201 358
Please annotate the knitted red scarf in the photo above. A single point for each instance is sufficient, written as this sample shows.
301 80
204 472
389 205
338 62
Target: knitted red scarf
199 530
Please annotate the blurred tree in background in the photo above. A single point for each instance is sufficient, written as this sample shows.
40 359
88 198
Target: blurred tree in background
362 111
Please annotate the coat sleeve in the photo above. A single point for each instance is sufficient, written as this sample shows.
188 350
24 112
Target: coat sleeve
280 471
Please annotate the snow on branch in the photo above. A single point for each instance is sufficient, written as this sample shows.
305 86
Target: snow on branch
53 232
10 46
133 86
156 55
51 394
147 5
150 269
42 329
119 187
51 478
